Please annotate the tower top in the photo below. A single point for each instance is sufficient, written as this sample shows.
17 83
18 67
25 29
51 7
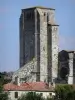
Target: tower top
41 7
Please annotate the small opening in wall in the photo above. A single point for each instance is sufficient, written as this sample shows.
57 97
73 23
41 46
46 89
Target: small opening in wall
41 94
54 54
16 94
44 14
52 83
50 94
48 17
44 48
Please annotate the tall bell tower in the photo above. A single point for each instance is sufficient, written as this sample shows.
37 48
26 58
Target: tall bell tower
39 40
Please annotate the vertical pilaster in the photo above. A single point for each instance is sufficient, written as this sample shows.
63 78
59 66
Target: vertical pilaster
43 47
70 77
49 49
22 40
74 68
35 35
37 45
54 52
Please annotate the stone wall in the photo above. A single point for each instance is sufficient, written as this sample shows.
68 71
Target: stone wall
74 68
25 74
43 45
66 67
54 52
70 77
45 94
27 36
48 63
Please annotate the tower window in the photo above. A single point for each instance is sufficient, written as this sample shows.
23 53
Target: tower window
44 14
48 19
45 17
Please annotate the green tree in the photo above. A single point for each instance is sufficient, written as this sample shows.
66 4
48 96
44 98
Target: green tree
3 95
1 78
50 98
64 92
31 96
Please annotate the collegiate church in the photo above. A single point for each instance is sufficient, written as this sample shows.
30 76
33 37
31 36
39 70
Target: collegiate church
39 60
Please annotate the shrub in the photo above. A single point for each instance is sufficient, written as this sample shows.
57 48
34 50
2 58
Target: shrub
31 96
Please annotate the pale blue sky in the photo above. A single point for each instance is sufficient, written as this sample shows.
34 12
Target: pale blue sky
10 11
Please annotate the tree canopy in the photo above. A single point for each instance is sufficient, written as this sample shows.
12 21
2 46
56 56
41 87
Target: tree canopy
65 92
3 95
31 96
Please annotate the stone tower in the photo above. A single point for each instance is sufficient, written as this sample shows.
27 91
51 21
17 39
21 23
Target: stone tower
66 68
39 40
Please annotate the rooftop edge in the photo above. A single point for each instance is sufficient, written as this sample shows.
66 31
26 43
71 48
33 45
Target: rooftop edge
41 7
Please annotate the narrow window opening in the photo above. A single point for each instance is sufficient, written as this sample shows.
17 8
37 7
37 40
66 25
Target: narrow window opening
16 94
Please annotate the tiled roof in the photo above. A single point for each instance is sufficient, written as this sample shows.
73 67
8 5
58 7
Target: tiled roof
10 86
29 86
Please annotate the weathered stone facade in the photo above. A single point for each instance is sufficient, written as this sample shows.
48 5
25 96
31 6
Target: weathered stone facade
66 72
25 73
39 41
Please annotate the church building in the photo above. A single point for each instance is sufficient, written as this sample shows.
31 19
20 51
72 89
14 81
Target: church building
38 46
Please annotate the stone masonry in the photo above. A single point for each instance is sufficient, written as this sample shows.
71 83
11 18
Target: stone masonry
66 72
38 45
71 77
25 73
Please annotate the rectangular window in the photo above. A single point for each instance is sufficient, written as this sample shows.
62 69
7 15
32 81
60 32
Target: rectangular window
41 94
16 94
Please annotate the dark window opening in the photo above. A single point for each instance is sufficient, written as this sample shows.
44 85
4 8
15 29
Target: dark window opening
64 72
44 14
48 17
41 94
16 94
50 94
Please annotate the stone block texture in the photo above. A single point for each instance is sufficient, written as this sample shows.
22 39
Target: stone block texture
66 69
39 41
25 73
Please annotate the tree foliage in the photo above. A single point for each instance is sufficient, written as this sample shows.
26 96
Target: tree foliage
2 79
65 92
3 95
31 96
